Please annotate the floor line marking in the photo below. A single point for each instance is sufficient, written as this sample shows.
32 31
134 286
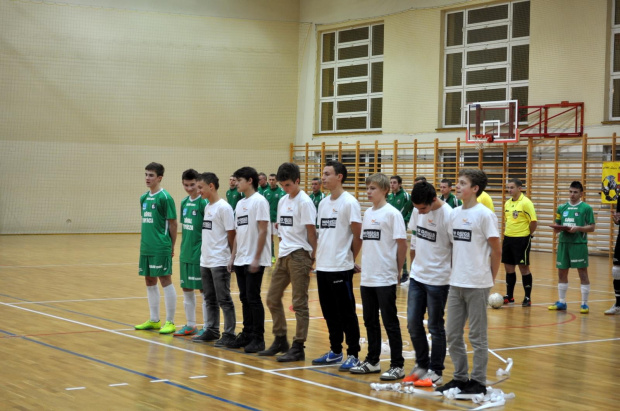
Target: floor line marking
75 388
197 376
164 380
118 385
355 394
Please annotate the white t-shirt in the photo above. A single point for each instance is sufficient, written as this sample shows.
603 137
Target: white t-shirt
471 254
334 219
249 211
293 217
432 244
380 230
218 220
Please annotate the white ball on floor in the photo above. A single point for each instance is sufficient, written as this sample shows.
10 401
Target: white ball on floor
496 300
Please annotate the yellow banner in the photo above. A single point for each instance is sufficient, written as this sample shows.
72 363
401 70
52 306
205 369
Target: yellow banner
610 187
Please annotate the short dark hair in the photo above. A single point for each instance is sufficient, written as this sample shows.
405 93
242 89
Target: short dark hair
516 181
477 177
447 181
272 175
339 168
156 167
423 193
419 178
209 178
247 173
397 178
189 174
262 174
577 184
288 171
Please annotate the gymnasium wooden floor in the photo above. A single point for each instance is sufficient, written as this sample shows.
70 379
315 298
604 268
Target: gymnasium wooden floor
68 304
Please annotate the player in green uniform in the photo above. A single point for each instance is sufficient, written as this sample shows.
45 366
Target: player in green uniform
401 200
262 183
521 222
573 245
192 213
273 194
317 195
233 195
446 194
157 239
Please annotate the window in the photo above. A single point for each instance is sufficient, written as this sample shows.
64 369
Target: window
351 84
614 106
486 57
366 167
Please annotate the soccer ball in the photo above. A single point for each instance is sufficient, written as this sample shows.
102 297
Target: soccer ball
496 300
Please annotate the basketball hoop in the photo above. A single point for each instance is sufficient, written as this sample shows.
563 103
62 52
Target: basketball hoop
482 139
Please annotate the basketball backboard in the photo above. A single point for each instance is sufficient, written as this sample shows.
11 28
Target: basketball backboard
492 122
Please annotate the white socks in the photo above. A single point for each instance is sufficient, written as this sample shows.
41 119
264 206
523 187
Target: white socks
562 288
585 293
189 302
170 297
152 292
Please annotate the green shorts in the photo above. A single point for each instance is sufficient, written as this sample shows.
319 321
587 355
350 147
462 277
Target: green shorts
155 266
190 276
572 256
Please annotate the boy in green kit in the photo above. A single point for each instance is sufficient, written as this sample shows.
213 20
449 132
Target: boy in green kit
158 236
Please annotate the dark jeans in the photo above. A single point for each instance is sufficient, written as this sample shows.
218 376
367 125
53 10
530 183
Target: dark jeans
384 299
432 297
216 287
251 303
338 306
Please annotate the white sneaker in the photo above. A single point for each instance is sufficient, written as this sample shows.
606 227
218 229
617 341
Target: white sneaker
614 310
436 379
394 373
366 368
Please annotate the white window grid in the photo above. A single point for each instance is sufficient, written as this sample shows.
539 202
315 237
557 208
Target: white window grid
368 95
465 48
615 29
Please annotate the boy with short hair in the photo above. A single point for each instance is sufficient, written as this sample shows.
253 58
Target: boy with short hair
296 225
384 245
233 195
157 239
431 254
262 183
446 194
340 223
476 254
218 235
250 256
401 200
192 213
573 245
273 193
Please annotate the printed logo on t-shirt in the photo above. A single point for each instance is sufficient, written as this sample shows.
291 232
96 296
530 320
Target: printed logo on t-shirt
461 235
432 223
328 222
515 214
286 221
144 206
371 235
184 211
207 225
153 206
425 234
242 220
194 212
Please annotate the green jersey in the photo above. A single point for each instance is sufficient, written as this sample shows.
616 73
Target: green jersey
192 213
451 200
316 198
402 202
233 196
157 209
273 196
262 190
574 215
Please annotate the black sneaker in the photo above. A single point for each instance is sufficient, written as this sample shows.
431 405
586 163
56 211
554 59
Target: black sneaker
452 384
471 389
206 336
241 341
225 340
256 345
508 299
526 302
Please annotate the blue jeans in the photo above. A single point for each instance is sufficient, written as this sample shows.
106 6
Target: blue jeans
432 297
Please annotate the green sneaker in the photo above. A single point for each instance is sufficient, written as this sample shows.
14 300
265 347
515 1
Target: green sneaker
148 325
168 328
185 330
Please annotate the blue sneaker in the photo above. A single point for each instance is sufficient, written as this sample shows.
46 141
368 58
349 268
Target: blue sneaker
558 306
584 309
328 358
349 363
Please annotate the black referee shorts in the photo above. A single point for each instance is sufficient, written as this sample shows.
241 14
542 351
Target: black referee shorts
516 250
